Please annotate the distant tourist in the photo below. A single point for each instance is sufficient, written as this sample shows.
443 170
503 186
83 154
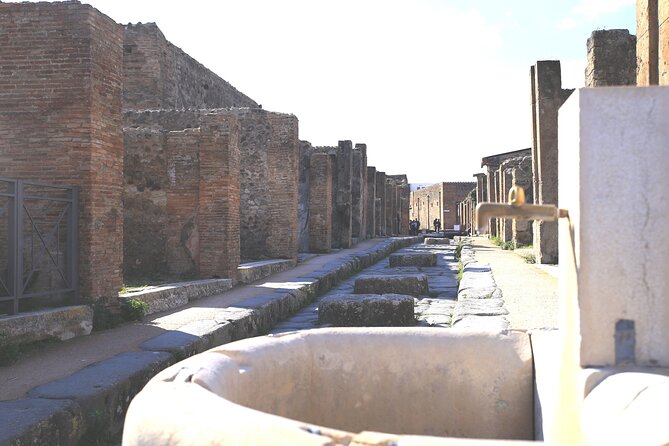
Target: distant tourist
437 224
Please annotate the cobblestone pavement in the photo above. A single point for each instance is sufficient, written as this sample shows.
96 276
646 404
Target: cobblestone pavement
530 292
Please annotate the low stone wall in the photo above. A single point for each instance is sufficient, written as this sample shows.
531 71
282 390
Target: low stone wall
60 323
250 272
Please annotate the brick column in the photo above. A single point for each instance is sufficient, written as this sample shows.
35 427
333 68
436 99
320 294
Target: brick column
648 38
390 205
342 211
358 171
320 204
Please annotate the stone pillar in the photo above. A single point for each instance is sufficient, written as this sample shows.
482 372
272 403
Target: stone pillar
219 207
61 122
663 46
390 205
342 212
381 208
320 203
647 43
521 230
492 196
358 171
615 309
269 160
506 179
306 150
547 97
498 198
611 58
481 196
370 197
404 209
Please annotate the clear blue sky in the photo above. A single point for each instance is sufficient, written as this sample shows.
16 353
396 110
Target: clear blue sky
430 85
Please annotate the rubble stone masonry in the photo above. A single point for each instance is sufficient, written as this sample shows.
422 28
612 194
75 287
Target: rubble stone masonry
320 203
158 75
611 58
60 121
181 199
269 177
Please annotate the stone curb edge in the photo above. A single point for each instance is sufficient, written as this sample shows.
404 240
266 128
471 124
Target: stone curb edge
80 407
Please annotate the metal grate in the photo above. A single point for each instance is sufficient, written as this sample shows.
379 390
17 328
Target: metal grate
38 245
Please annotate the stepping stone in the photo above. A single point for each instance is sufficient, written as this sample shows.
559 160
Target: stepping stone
367 310
421 259
437 241
411 284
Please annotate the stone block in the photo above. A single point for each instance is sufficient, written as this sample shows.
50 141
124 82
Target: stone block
174 295
422 259
60 323
615 141
250 272
437 241
366 310
39 421
412 284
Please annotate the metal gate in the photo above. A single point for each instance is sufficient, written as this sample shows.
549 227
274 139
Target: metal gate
39 245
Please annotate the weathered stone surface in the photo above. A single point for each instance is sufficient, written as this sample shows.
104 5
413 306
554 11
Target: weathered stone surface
412 284
478 307
423 259
482 323
60 323
37 421
437 241
611 58
366 310
174 295
250 272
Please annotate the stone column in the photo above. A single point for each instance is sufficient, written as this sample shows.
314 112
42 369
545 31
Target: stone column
390 201
370 196
491 196
647 43
306 150
521 230
547 97
342 212
611 58
663 46
358 171
320 204
380 216
404 209
506 179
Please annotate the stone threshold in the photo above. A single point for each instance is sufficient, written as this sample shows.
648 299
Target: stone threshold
250 272
174 295
67 410
61 323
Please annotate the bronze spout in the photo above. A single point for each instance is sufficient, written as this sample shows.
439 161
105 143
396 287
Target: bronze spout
516 209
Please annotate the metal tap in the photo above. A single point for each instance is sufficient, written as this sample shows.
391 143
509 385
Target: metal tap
516 209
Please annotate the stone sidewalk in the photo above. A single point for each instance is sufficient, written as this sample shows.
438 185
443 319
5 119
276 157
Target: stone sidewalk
82 387
530 291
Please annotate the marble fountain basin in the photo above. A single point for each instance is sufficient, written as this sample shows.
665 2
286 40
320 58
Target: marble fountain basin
345 386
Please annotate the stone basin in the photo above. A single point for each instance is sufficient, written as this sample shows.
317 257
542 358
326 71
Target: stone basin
341 386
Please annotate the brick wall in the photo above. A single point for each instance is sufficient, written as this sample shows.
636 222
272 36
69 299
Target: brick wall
158 75
60 120
269 177
320 203
181 199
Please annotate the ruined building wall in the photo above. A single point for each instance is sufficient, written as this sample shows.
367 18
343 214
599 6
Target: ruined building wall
370 197
181 197
158 75
60 121
303 204
611 58
452 194
439 200
269 177
402 203
380 204
358 175
320 203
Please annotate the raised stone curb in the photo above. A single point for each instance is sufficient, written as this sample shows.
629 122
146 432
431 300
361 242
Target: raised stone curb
103 391
437 241
38 421
480 305
58 323
366 310
174 295
250 272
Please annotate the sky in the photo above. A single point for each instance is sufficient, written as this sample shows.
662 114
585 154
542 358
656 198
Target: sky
431 86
